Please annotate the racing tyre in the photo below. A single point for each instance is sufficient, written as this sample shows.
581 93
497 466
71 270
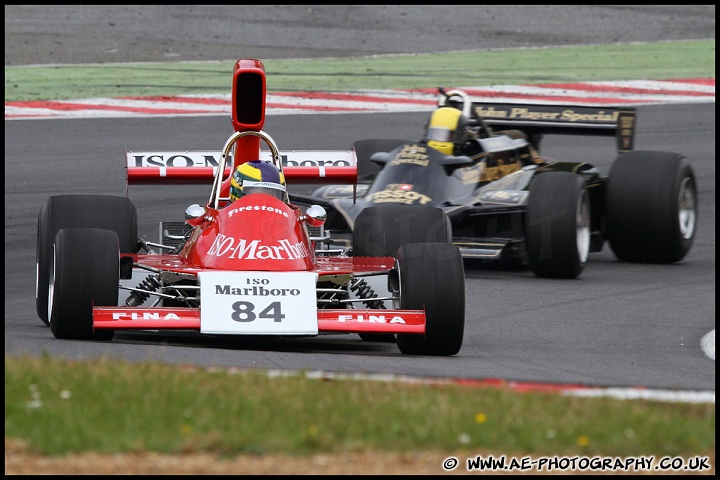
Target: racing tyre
84 271
79 211
381 230
558 225
651 207
432 277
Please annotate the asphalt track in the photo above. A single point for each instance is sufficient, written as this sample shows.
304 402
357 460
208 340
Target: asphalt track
618 325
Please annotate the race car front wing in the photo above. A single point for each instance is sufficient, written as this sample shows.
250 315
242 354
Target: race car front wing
328 320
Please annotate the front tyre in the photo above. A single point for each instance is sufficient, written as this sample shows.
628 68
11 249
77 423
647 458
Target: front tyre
432 278
85 271
79 211
379 231
651 207
558 225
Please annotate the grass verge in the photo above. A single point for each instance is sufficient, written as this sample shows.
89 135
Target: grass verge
60 407
660 61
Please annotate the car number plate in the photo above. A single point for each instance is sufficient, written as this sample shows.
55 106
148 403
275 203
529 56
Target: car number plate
258 303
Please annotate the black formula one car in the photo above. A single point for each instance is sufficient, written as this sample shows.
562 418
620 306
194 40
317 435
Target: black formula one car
480 163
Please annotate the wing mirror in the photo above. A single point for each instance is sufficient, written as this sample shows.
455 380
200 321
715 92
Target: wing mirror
194 213
315 216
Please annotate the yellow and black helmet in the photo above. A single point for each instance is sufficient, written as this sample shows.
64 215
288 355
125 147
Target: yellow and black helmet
446 130
257 176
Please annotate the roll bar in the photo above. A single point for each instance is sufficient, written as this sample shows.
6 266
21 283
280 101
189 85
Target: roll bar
214 200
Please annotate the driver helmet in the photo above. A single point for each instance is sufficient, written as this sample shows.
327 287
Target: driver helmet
257 176
446 130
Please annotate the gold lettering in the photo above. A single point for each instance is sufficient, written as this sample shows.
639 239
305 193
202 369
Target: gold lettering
490 112
526 114
399 196
411 154
627 122
601 116
469 175
416 161
412 150
495 173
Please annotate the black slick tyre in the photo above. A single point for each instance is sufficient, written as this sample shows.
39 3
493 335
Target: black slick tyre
379 231
557 225
432 278
651 207
79 211
84 271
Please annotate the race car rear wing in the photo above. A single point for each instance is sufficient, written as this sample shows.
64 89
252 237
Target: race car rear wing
248 115
191 167
537 120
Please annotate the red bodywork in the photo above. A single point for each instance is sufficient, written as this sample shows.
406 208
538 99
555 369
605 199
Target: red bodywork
256 232
259 233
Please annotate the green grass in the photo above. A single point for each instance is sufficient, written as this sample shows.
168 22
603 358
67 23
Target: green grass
691 59
62 407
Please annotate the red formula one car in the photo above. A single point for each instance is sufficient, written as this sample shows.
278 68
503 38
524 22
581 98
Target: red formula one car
249 266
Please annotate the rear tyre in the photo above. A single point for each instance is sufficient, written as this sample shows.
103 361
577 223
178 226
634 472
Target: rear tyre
379 231
85 271
651 207
79 211
432 277
558 225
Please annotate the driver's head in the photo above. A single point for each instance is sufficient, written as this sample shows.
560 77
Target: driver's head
257 176
446 130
